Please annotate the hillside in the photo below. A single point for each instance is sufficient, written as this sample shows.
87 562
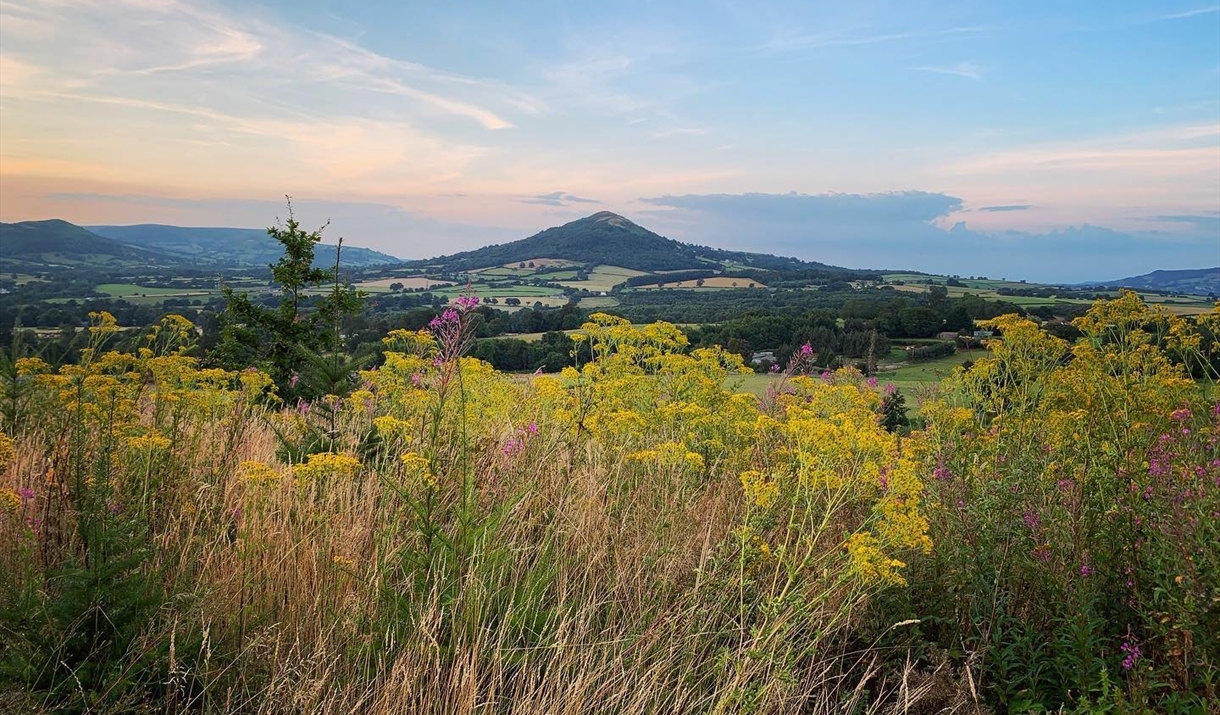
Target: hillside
1203 281
57 243
249 247
609 239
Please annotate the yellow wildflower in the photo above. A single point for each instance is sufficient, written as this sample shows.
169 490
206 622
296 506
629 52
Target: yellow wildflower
31 366
257 473
870 563
7 452
416 465
327 464
10 501
758 489
148 442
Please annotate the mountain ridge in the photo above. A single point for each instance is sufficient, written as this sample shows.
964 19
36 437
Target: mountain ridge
220 245
58 243
1205 281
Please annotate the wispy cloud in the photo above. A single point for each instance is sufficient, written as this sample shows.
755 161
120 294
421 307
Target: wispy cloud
193 94
1009 207
151 50
558 198
790 40
680 132
1180 148
1210 9
969 70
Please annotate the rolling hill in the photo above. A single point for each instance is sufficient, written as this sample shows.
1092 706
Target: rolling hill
56 243
1200 281
606 238
248 247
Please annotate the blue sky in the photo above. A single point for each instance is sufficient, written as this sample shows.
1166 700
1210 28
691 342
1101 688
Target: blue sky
1050 141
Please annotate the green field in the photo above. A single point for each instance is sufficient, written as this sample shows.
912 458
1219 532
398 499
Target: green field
598 301
911 374
987 289
603 278
144 295
753 383
128 290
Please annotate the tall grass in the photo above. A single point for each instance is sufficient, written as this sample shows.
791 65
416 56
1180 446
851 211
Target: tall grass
627 537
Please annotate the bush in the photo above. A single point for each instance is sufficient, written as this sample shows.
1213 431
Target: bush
922 353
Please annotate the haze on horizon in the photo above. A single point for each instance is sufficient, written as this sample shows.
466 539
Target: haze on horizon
1029 140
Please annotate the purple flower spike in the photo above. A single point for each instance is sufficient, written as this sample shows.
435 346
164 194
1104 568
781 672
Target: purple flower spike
1131 654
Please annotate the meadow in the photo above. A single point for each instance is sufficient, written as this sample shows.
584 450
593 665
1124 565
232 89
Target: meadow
603 278
990 289
628 536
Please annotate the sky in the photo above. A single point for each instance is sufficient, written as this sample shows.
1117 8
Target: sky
1049 141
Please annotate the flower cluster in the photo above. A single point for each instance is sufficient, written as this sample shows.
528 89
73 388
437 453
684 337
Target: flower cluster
759 490
8 452
327 464
254 472
453 329
515 444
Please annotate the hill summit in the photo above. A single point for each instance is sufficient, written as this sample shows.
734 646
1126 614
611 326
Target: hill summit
57 243
608 238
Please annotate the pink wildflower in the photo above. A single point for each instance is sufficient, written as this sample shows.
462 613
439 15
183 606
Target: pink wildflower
1131 653
512 447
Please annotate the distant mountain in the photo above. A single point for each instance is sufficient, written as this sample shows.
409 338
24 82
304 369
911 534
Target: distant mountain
1195 281
607 238
56 243
249 247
